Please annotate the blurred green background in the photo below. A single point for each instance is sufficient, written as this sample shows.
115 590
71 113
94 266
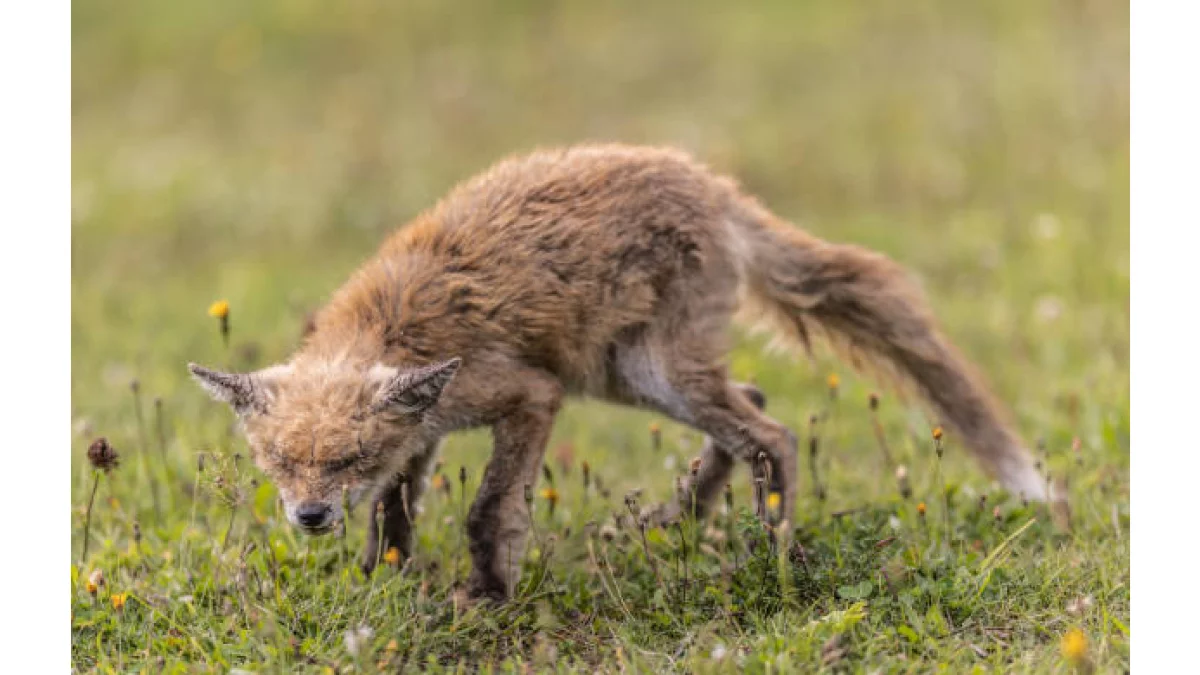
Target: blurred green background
259 151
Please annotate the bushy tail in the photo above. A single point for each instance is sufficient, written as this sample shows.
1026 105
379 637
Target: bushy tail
871 311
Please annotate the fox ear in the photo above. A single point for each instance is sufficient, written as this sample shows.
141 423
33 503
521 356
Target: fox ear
246 392
412 391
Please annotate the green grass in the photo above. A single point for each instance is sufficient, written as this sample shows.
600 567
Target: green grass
259 151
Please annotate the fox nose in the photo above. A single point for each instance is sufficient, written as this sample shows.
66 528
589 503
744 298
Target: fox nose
313 514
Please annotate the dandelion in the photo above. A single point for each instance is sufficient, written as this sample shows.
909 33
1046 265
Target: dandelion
103 458
1074 647
439 482
902 481
1080 605
551 497
655 436
118 600
392 556
358 638
94 581
832 381
773 500
921 509
219 310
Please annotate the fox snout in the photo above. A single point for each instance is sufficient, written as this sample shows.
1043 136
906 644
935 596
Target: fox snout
314 517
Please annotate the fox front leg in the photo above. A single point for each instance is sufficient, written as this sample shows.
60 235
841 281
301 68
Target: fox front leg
390 524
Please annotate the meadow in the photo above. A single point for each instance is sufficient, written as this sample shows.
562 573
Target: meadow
256 152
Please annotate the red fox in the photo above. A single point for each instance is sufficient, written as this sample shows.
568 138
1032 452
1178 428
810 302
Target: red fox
603 271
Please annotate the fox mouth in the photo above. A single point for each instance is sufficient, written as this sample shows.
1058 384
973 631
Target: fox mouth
316 531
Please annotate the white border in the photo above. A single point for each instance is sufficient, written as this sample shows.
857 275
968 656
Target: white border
35 250
1164 219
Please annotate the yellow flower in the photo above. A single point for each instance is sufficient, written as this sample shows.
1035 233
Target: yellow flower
937 433
550 495
392 556
219 309
94 581
118 600
832 381
921 509
773 500
1074 646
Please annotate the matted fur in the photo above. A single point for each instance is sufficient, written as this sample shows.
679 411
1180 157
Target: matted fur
607 271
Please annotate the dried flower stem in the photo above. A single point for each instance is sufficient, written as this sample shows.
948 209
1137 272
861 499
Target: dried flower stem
941 486
87 516
631 504
462 522
229 526
785 578
159 428
135 389
730 529
879 435
380 548
683 555
813 449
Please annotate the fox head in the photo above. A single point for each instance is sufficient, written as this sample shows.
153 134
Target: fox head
319 430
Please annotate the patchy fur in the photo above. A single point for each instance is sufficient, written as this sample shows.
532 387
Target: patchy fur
607 271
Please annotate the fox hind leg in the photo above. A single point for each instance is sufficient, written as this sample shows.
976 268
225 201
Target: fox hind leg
717 463
729 417
683 378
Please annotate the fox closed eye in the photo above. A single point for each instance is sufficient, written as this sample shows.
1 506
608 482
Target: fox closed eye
342 463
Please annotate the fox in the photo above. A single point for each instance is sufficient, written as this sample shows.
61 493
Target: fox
603 271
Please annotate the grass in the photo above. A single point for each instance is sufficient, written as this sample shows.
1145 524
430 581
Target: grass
258 151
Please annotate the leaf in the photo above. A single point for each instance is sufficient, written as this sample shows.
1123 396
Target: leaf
935 619
993 558
859 591
1117 623
264 497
